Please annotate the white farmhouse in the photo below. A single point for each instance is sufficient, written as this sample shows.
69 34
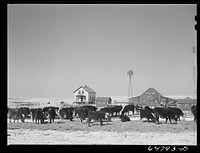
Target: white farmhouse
84 95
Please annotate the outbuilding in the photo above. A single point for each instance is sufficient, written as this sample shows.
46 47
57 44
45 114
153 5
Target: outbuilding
186 103
103 101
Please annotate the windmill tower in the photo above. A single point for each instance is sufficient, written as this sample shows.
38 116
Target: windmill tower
130 88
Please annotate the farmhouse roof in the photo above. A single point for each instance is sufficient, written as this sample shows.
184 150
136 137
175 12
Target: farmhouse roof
88 89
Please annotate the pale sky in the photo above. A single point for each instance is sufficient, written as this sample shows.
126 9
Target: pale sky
54 49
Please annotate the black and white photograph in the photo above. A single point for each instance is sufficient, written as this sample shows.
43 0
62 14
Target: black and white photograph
102 74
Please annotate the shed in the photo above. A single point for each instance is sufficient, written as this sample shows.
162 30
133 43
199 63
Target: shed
186 103
103 101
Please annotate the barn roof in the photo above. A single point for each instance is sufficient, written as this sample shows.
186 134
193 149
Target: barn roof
152 89
88 89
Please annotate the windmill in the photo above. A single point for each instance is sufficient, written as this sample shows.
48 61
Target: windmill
130 88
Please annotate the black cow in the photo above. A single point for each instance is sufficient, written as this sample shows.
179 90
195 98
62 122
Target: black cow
54 112
109 109
45 109
39 116
51 114
68 112
146 113
81 113
88 108
138 108
75 110
13 113
33 113
124 118
25 112
128 108
96 116
194 112
178 112
147 108
165 113
18 113
117 109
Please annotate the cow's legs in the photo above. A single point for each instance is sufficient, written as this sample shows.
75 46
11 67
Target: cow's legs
101 122
88 121
170 120
10 119
167 119
157 118
176 120
179 117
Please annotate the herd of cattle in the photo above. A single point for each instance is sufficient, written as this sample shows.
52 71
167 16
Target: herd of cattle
89 113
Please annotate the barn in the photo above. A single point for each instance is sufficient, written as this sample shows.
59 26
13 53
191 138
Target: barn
103 101
152 98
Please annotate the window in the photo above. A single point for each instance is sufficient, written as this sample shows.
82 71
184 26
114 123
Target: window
179 105
82 91
186 105
79 92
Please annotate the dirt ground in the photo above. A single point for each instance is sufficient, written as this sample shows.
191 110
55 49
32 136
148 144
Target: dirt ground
135 132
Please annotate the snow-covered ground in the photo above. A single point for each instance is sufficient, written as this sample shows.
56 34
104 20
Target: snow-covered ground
135 132
21 136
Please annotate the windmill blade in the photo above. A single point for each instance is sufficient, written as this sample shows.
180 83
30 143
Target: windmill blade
130 73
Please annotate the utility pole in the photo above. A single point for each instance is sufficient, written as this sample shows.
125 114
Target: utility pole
194 73
195 61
